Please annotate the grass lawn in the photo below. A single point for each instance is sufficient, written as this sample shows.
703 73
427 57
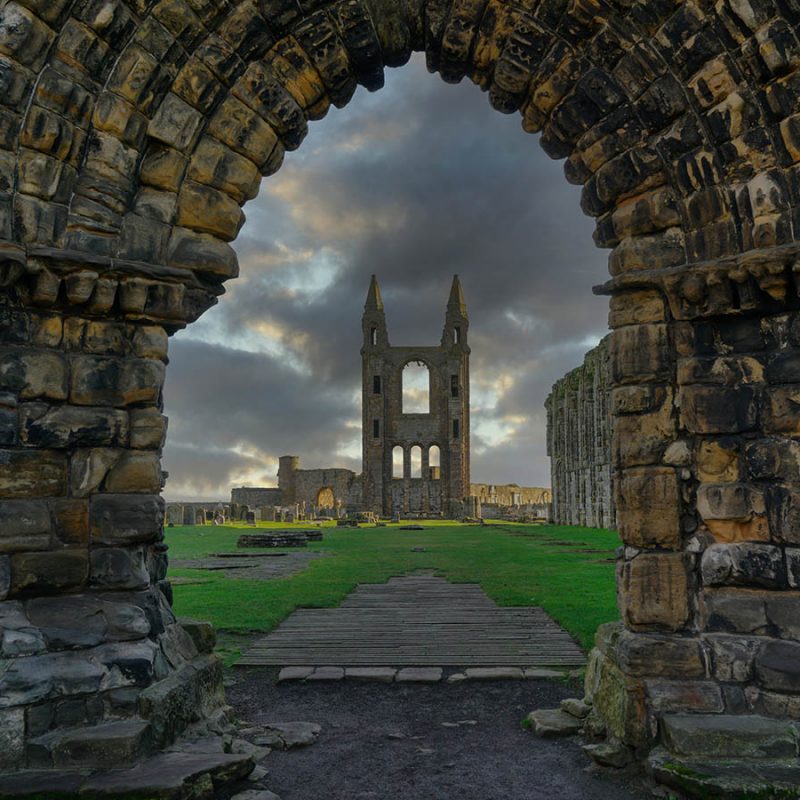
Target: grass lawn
569 571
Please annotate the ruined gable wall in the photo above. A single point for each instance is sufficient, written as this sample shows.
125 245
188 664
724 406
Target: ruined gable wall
346 486
579 443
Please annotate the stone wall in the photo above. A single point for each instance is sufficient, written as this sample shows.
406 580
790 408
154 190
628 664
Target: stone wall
510 494
579 443
256 496
345 485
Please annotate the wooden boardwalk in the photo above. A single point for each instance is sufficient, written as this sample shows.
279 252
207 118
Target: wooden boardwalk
417 621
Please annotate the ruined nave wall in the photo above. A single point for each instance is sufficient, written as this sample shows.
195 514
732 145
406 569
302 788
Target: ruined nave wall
579 443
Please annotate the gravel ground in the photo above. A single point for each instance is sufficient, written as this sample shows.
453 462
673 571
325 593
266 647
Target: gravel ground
388 742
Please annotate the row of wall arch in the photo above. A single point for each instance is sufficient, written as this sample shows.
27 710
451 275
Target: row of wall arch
417 461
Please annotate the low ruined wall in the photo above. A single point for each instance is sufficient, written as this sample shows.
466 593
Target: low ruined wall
509 494
579 444
256 496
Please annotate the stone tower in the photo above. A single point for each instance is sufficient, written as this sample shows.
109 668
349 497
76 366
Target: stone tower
406 481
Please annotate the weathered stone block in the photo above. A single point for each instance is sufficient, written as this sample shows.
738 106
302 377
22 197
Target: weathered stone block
202 208
88 469
744 565
778 666
643 438
49 572
33 679
71 518
72 621
718 460
183 697
732 657
135 472
640 353
654 591
148 429
783 511
128 663
118 568
648 508
682 695
71 426
24 473
100 381
201 633
735 611
714 409
119 519
782 411
724 371
776 457
32 374
150 341
729 501
216 165
175 123
722 736
24 525
201 252
12 738
244 131
619 700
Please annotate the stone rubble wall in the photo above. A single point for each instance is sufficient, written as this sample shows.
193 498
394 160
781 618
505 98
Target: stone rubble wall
579 443
87 634
256 496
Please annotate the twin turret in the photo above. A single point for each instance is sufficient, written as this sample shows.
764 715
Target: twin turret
456 321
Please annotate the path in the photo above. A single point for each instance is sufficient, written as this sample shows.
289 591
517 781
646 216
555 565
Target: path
423 742
419 620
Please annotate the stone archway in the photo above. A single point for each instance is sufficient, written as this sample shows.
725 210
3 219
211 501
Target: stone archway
325 499
132 132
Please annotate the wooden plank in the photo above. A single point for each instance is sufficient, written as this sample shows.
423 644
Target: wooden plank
417 621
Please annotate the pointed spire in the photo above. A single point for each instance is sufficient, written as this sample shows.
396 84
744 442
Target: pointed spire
374 301
456 301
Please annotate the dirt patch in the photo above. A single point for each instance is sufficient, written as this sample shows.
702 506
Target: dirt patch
424 742
252 566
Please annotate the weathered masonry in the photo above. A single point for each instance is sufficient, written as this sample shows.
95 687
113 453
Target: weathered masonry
415 462
132 132
579 443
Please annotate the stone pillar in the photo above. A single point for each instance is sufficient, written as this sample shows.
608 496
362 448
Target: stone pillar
87 636
706 451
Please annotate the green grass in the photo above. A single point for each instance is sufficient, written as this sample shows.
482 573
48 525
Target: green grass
517 565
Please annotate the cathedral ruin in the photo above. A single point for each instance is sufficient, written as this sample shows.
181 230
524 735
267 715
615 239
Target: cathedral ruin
399 476
415 460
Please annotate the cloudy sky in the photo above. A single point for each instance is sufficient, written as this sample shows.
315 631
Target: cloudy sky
414 183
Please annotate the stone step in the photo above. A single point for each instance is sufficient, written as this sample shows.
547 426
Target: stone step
549 723
728 736
167 776
732 779
108 744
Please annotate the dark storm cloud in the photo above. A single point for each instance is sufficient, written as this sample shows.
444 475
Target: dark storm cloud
414 183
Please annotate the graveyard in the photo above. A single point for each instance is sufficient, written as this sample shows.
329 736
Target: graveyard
568 571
